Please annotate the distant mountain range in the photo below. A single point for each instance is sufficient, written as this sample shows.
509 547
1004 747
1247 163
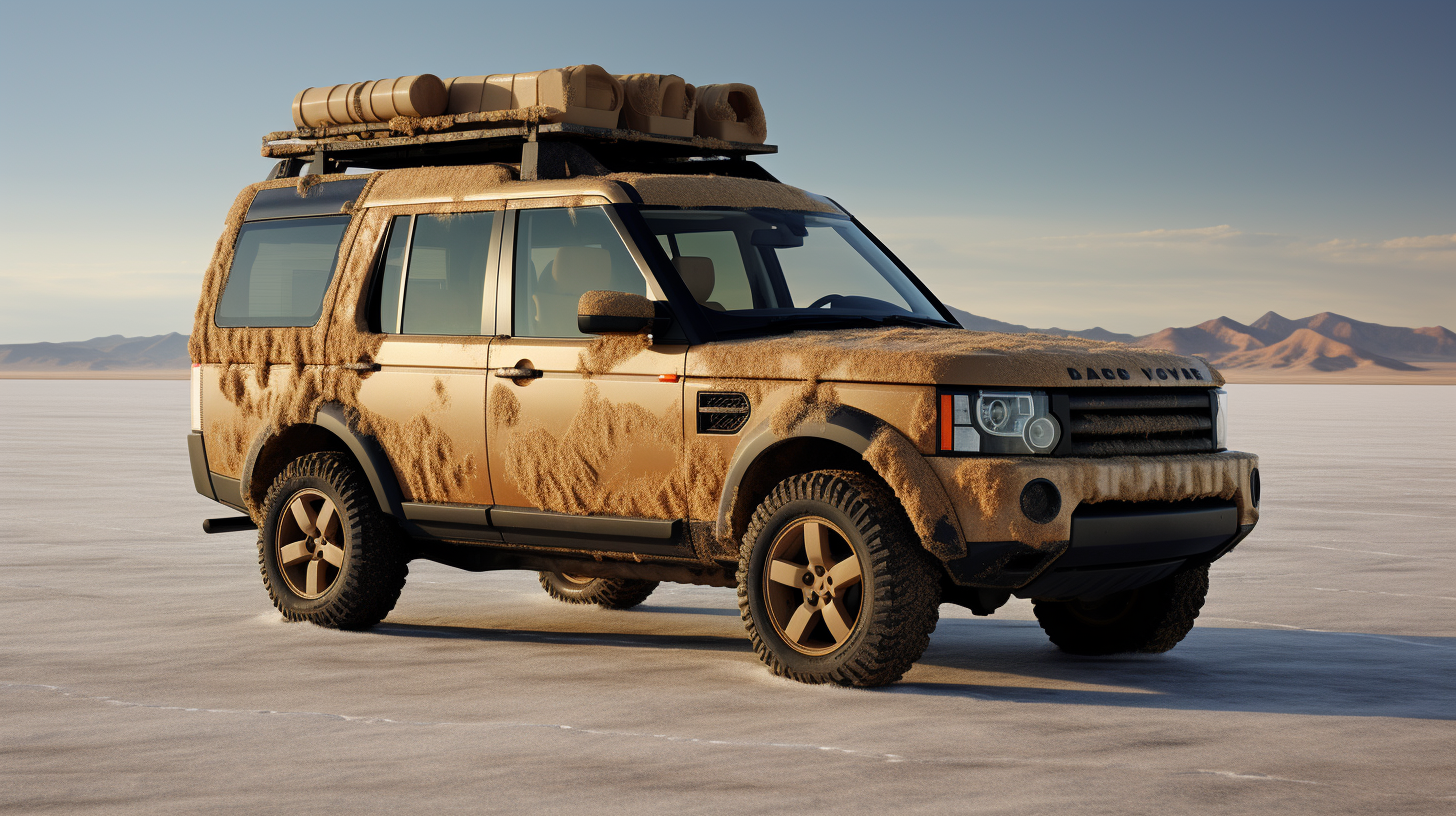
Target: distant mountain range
113 353
1325 342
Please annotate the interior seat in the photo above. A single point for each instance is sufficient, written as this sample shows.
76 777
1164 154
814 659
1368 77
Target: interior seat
697 272
574 271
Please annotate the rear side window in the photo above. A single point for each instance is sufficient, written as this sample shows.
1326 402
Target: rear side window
441 260
280 272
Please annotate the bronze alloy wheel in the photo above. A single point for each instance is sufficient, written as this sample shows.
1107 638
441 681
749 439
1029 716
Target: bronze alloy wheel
833 584
326 553
813 589
577 579
310 542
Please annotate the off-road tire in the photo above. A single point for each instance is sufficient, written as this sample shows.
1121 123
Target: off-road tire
608 593
372 575
1149 619
899 600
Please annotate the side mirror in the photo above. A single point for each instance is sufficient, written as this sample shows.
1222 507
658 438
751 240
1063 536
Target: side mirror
600 312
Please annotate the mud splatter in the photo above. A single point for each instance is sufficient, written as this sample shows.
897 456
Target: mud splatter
608 351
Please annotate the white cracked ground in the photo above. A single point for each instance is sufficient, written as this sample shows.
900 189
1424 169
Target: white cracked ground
143 670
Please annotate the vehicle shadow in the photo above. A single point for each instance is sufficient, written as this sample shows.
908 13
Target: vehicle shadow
635 640
1213 669
690 610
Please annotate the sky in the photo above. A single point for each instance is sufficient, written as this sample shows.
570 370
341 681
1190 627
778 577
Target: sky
1125 165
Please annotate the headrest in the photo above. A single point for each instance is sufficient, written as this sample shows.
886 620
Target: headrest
580 269
697 273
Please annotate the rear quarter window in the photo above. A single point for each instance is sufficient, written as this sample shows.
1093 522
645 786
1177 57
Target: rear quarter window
281 270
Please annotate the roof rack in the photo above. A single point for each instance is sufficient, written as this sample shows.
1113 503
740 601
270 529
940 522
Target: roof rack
542 150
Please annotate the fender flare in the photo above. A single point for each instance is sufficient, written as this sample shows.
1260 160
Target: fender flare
848 427
335 419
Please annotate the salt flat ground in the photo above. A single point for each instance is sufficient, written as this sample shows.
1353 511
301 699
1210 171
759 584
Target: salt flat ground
143 670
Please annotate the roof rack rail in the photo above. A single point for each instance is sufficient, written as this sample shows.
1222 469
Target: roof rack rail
542 150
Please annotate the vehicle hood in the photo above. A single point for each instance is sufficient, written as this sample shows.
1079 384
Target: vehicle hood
930 356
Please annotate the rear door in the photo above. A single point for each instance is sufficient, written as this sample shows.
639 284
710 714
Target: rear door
595 426
434 300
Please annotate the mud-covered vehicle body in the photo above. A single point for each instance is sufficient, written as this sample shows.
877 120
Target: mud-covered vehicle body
687 373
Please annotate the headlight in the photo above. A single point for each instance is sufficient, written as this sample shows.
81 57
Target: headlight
1220 421
997 422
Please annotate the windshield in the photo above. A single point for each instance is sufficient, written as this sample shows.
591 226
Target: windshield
749 267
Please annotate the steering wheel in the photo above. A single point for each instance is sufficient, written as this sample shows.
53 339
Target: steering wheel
827 300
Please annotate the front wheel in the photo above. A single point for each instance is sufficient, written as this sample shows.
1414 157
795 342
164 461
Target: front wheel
327 554
833 586
1153 618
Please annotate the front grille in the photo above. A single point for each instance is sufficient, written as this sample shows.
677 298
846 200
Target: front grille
1118 424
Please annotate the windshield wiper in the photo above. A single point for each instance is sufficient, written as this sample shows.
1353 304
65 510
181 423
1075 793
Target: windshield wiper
916 320
781 324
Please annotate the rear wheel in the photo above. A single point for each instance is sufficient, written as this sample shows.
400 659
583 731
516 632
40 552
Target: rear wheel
608 593
327 554
833 586
1153 618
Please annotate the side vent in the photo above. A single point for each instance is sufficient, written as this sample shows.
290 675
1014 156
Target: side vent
721 412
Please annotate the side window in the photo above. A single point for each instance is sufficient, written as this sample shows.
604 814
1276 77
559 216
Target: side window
432 280
281 270
562 254
711 264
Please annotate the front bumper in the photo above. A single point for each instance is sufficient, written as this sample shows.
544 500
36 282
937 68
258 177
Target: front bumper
1121 521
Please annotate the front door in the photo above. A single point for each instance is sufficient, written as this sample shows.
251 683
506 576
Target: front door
579 424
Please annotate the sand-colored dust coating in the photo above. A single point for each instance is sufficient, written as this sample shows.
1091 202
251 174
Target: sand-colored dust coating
929 356
578 469
720 191
608 351
624 304
435 183
988 489
322 367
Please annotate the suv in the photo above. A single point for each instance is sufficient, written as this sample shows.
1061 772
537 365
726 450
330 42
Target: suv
679 371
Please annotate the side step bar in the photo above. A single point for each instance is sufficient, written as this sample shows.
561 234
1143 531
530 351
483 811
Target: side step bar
233 524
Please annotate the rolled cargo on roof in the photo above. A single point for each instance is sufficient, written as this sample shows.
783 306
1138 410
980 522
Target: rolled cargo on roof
377 101
581 94
731 112
658 103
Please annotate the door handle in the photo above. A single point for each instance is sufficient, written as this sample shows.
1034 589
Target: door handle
518 373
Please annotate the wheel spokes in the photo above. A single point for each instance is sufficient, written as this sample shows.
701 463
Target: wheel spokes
800 624
837 620
327 516
846 573
316 582
333 553
783 572
816 544
305 516
294 553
